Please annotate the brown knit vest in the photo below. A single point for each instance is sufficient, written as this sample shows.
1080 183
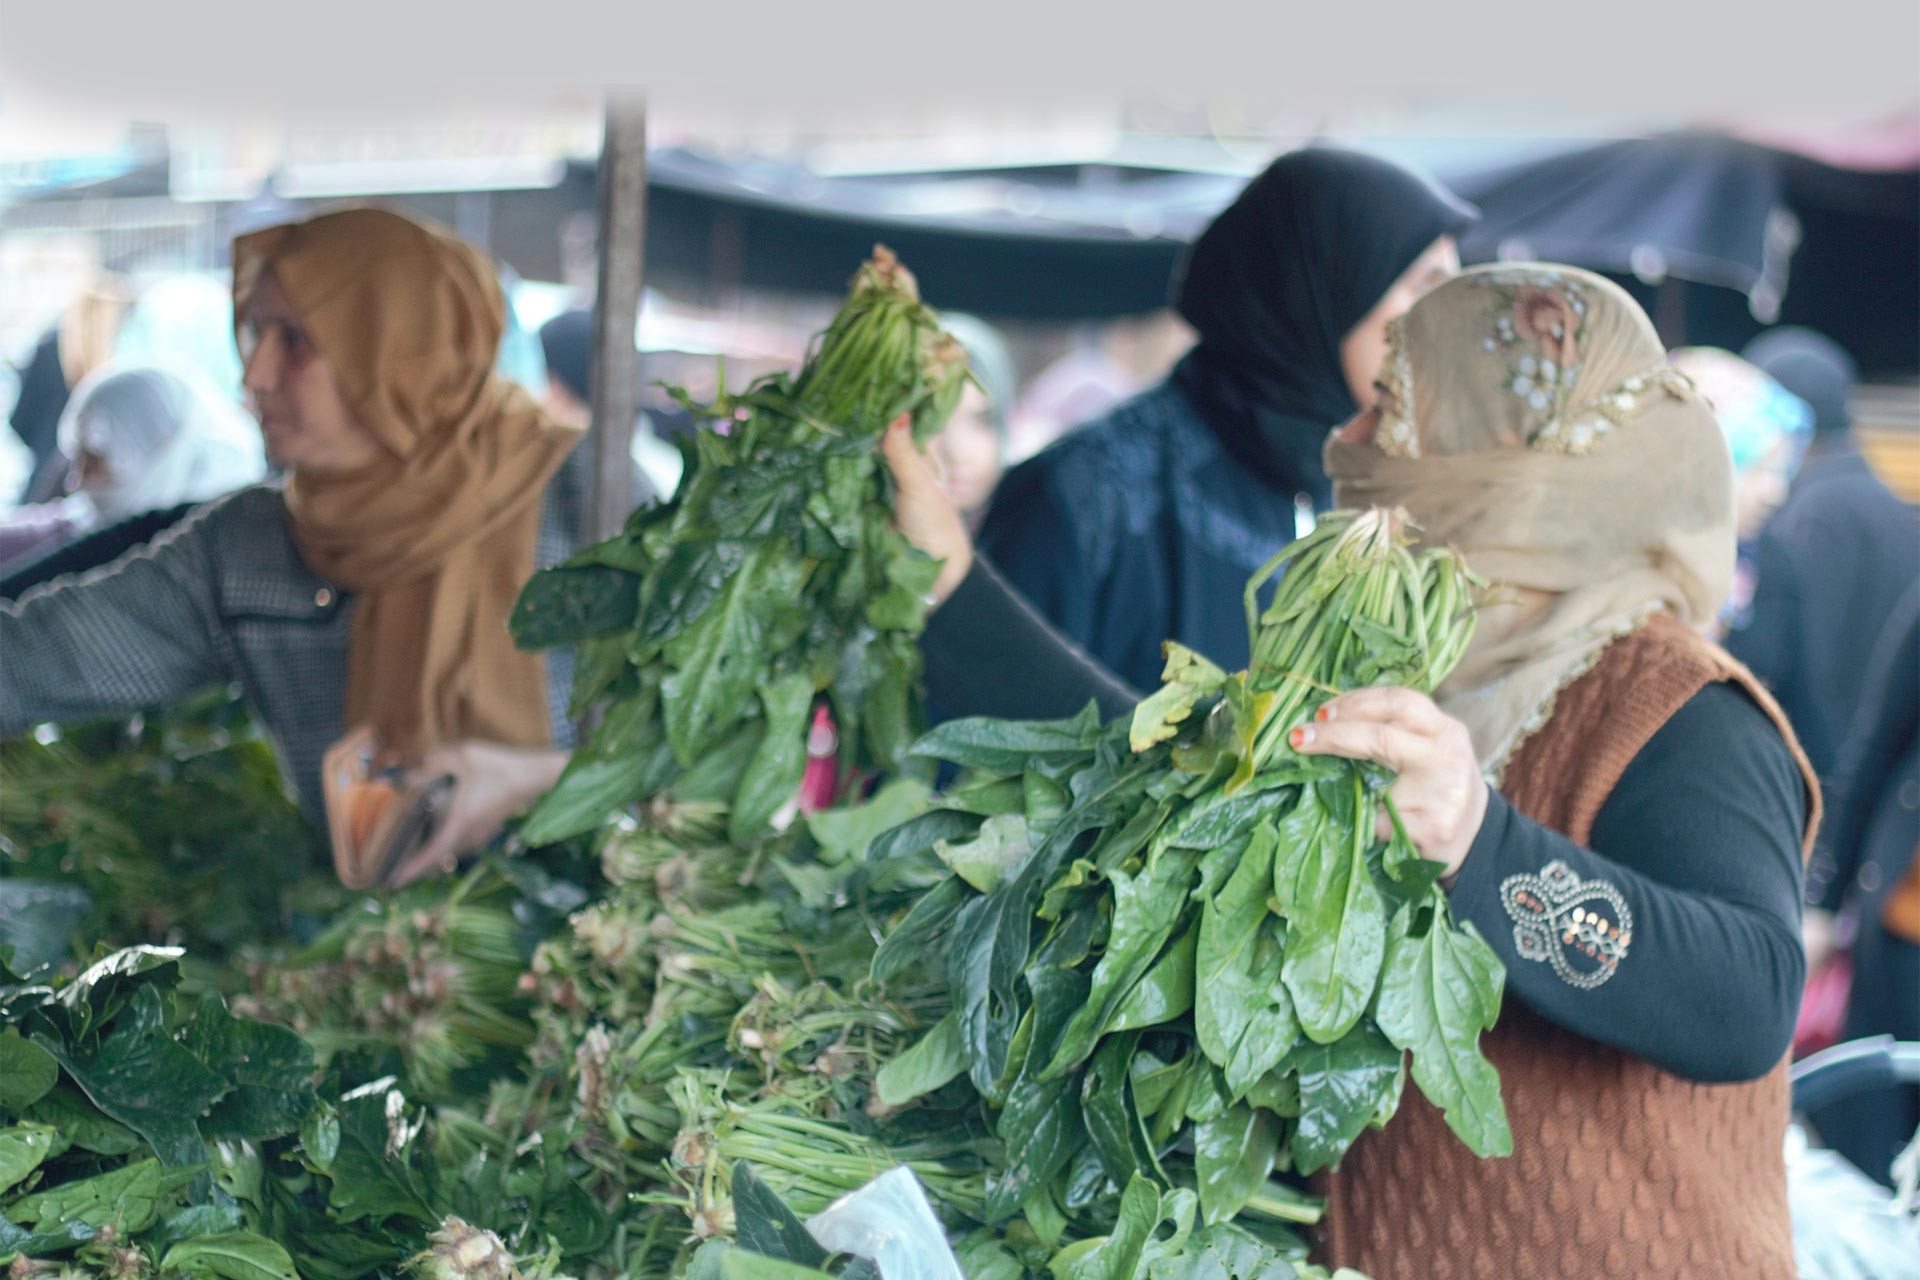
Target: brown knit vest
1619 1169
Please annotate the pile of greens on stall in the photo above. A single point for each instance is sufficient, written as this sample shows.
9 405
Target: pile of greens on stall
152 830
699 993
116 1096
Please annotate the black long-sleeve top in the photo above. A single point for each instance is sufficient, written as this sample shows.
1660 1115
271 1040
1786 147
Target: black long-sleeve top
1699 842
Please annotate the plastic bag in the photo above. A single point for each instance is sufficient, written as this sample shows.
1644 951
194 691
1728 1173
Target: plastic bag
1845 1225
890 1223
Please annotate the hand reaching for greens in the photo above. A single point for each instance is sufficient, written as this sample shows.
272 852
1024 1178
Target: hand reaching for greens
1439 793
922 511
492 783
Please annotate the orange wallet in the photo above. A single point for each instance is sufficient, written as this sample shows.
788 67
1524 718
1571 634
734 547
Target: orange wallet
377 817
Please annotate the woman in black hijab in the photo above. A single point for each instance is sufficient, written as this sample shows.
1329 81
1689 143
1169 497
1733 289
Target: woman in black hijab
1144 525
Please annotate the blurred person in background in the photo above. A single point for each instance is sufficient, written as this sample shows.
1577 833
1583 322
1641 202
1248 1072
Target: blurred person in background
1831 563
567 344
184 322
1866 891
1077 387
78 343
972 447
1145 524
1767 428
372 587
142 439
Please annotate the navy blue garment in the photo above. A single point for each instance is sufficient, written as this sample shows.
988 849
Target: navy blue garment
1137 528
1144 525
36 418
1830 564
1871 843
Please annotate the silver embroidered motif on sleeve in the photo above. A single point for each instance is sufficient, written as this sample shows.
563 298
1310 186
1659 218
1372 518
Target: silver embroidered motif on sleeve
1581 928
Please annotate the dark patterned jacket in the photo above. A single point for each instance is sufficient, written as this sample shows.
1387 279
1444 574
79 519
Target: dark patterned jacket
1140 527
223 597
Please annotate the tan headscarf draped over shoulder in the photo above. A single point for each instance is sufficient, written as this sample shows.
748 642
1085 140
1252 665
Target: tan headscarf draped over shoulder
438 537
1529 418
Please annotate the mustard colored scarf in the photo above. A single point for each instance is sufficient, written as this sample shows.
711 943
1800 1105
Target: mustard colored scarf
437 538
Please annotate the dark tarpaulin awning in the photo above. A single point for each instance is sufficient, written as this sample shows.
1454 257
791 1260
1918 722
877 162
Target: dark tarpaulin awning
1745 234
1009 248
1737 235
1692 206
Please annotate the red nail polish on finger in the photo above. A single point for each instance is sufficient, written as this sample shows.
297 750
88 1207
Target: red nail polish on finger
1323 714
1298 738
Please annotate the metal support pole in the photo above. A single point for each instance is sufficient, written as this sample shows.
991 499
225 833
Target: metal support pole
616 315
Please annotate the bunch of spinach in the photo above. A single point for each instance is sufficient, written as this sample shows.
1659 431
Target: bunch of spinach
115 1100
711 625
1177 951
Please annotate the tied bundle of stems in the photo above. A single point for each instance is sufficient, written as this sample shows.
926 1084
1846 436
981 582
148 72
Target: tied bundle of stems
427 983
883 355
1354 608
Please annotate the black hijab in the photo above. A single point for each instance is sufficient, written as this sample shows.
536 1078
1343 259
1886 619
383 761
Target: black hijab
1276 282
567 343
1811 366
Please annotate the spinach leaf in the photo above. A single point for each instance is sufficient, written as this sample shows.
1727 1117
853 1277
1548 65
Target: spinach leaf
1336 920
998 849
1142 923
766 1225
1233 1155
22 1148
1167 990
129 1198
138 1074
1242 1014
773 775
1010 746
270 1069
570 603
714 660
27 1072
232 1255
1343 1085
1439 991
936 1058
1113 1121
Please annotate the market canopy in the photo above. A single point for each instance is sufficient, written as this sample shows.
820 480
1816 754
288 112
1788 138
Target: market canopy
1788 237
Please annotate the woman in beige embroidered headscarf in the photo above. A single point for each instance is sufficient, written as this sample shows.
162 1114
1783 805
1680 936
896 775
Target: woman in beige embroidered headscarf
421 491
1620 809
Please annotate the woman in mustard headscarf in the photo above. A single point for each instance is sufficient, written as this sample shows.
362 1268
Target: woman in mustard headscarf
373 588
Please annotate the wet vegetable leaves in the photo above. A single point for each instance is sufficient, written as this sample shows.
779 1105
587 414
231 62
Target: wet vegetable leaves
1343 1086
1441 989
